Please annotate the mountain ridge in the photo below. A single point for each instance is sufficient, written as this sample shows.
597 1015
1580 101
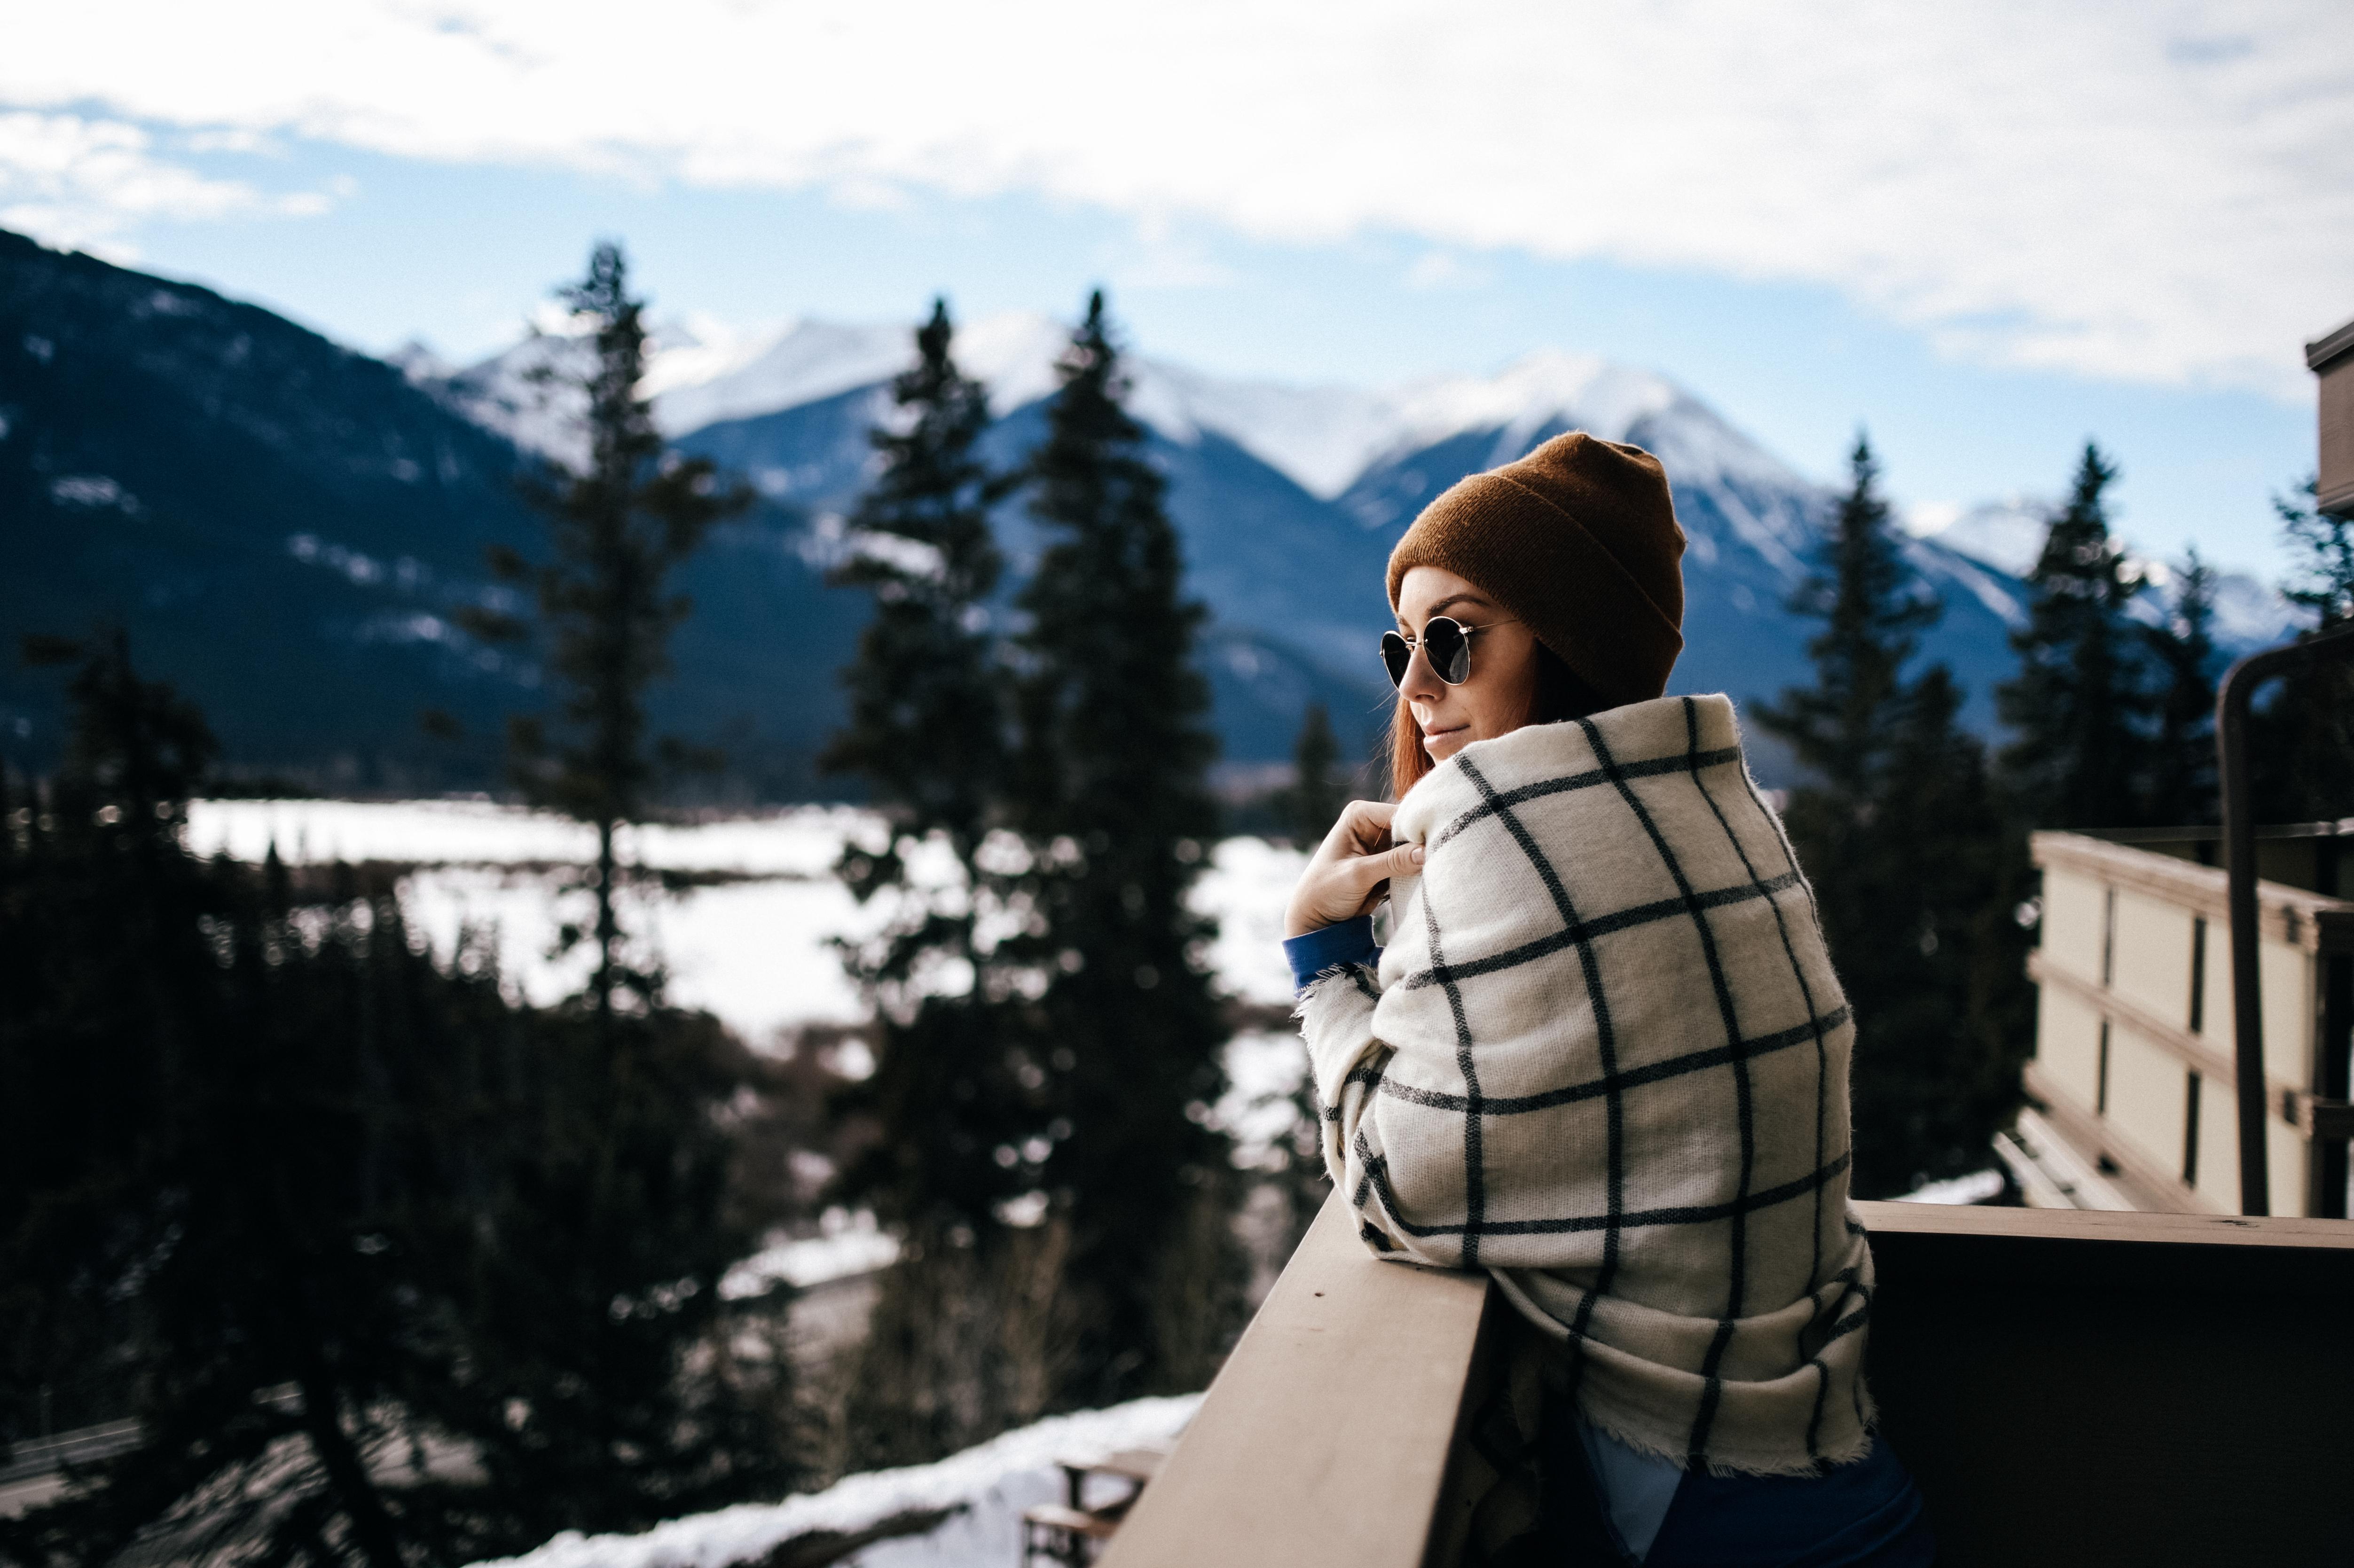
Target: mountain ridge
1333 440
287 526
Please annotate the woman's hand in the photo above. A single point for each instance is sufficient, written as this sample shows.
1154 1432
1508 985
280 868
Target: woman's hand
1350 869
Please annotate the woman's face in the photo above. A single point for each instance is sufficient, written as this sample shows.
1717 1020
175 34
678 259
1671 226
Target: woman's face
1495 700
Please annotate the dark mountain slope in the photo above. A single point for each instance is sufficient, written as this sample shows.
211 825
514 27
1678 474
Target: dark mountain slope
283 527
278 521
1295 583
1293 587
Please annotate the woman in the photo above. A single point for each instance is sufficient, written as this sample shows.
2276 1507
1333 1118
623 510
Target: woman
1604 1055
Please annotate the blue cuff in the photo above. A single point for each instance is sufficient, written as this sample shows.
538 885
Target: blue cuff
1350 942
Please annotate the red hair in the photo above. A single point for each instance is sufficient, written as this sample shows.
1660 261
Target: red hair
1557 695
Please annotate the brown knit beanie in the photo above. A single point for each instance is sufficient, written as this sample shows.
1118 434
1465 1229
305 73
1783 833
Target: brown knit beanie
1579 541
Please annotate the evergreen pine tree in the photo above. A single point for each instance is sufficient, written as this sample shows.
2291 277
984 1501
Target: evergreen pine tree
1897 833
952 1355
1841 728
2301 745
2324 581
390 1281
1114 802
929 733
2078 706
2182 782
618 528
1312 803
1944 1014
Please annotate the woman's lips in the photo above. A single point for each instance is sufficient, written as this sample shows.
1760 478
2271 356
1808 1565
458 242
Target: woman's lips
1431 736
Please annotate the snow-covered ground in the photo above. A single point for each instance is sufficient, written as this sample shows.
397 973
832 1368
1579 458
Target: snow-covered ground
753 946
1978 1187
990 1485
847 1245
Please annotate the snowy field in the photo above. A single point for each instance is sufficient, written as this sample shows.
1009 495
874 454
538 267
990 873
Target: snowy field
751 946
989 1486
750 942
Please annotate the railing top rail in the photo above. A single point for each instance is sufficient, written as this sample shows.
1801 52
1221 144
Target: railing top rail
2308 920
1327 1435
2124 1226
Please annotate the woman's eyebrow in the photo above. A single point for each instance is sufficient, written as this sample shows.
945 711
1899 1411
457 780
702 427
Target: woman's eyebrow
1440 608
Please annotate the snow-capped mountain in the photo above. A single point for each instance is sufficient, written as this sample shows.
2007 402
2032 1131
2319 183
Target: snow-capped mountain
1287 498
2008 535
1324 438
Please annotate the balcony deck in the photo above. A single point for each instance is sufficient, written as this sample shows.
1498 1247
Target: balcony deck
2068 1387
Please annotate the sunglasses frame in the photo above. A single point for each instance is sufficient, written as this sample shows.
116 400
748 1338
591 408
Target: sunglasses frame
1466 632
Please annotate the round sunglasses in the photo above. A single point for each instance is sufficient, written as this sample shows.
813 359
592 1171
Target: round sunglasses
1445 643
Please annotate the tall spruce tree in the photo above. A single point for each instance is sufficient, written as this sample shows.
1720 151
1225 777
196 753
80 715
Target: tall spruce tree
1842 728
618 528
1897 831
1311 803
1114 801
1944 1011
929 733
2301 746
2182 776
949 1356
2079 708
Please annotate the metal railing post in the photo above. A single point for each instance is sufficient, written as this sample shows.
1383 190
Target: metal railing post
2240 683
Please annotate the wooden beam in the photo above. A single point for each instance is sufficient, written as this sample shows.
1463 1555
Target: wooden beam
2277 1230
1328 1434
2194 1052
2284 914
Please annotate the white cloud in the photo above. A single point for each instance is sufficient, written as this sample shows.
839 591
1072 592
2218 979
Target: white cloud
1445 269
2157 193
71 181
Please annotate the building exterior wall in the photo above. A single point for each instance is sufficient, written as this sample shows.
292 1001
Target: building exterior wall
2149 1098
2068 1045
2074 921
2288 1012
2150 955
2218 1146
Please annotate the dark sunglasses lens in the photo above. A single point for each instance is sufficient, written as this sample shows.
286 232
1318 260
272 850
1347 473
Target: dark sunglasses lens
1397 656
1448 649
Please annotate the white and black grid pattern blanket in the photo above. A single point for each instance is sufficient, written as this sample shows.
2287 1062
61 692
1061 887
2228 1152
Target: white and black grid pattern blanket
1606 1058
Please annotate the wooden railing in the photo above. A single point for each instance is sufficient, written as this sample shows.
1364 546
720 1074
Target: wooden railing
2135 1039
2068 1387
1328 1435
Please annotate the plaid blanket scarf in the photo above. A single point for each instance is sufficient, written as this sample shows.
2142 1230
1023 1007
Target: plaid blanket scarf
1606 1058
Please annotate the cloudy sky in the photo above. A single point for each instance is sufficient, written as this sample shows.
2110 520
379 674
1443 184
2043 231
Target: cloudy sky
1986 231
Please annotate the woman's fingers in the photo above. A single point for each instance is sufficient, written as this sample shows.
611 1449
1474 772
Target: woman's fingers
1374 874
1372 871
1346 876
1363 828
1403 860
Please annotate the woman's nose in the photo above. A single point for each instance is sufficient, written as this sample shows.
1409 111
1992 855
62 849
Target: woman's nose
1422 684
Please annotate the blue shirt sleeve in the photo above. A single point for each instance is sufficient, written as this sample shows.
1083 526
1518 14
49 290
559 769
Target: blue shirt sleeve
1350 942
